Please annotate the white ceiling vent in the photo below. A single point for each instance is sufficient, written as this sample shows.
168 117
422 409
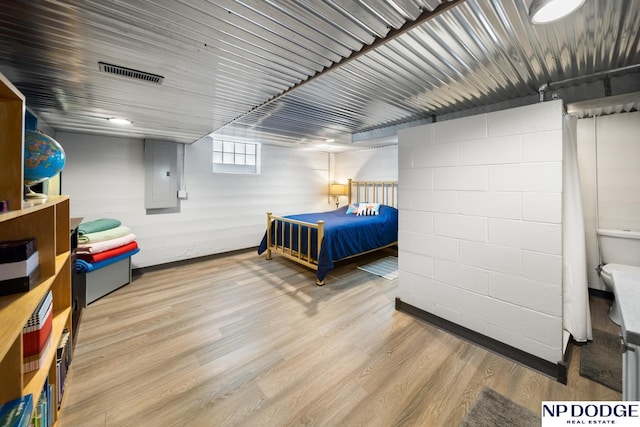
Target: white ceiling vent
130 73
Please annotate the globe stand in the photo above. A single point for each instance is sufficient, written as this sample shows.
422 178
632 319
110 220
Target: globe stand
30 194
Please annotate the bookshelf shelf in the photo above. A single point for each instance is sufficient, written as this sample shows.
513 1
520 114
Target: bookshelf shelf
48 222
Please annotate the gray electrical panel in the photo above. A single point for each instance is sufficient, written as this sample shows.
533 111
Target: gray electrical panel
161 174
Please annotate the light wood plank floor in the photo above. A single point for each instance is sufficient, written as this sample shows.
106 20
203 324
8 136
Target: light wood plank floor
239 340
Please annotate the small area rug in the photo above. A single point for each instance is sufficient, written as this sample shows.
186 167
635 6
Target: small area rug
385 267
491 409
601 360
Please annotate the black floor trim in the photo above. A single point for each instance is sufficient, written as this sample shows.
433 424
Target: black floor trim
601 294
557 371
137 272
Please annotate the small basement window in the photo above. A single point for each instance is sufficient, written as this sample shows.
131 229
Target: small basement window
236 157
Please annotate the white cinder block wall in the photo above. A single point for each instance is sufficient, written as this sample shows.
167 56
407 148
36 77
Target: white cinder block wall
480 234
609 163
105 177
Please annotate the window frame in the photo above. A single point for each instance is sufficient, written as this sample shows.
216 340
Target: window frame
240 157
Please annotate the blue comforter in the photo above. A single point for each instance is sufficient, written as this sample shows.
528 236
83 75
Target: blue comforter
344 235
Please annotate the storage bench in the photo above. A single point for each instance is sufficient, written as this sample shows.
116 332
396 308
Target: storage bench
105 280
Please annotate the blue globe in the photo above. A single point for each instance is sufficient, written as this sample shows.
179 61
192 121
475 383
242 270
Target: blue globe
44 158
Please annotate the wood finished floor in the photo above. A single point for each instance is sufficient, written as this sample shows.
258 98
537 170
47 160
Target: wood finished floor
239 340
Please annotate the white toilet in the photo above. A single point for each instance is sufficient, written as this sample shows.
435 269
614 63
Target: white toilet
619 250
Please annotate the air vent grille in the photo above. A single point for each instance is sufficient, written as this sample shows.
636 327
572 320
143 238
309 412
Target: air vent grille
130 73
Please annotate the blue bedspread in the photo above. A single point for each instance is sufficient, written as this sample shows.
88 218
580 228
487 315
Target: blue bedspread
344 235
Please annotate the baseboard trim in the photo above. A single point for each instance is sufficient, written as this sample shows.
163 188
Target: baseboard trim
601 294
137 272
557 371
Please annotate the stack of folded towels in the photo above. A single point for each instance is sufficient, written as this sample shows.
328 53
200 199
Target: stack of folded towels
103 242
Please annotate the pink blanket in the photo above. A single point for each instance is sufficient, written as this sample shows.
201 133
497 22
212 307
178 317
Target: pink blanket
93 258
94 248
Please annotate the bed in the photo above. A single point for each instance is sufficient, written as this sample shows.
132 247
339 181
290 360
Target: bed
317 240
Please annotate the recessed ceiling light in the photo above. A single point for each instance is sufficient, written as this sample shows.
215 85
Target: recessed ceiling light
329 140
118 121
545 11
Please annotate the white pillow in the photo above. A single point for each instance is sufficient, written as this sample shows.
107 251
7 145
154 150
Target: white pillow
366 209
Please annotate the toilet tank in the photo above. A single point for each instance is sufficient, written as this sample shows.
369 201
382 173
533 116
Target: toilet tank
619 246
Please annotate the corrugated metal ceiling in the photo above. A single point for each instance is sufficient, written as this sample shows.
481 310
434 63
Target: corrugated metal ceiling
267 69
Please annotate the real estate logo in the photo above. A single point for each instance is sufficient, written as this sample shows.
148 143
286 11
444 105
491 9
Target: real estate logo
626 413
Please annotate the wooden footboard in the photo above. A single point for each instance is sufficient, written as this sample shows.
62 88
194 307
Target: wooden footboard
277 231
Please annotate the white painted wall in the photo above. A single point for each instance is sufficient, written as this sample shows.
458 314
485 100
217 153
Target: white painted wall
104 177
609 163
480 224
374 164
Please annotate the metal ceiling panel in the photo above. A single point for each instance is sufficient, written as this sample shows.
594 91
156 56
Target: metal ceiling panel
604 106
479 53
295 71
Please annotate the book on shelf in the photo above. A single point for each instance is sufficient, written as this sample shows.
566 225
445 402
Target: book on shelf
17 250
17 413
34 338
39 313
14 270
20 284
43 413
36 334
19 266
63 360
32 363
37 329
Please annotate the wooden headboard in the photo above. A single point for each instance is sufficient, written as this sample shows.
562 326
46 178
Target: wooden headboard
383 192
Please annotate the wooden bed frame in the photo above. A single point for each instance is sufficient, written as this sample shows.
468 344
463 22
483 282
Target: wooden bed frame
383 192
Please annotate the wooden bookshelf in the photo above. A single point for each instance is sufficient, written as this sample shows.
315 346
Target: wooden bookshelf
12 109
48 222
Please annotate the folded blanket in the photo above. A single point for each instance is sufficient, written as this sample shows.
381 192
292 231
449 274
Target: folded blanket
101 236
83 266
94 248
101 256
101 224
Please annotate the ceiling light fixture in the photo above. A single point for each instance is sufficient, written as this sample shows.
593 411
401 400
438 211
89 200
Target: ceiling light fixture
545 11
118 121
329 140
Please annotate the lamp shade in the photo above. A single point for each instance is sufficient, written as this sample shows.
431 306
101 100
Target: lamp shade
544 11
337 189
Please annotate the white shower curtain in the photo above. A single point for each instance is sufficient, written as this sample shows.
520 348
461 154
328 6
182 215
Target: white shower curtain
576 316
